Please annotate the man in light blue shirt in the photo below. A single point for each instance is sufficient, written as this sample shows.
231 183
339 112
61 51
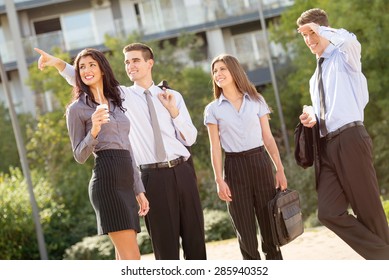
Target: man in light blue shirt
347 176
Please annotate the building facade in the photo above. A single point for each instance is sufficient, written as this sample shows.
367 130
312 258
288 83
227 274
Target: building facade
231 26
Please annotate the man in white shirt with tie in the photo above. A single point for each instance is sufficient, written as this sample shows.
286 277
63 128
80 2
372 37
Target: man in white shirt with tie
175 209
347 176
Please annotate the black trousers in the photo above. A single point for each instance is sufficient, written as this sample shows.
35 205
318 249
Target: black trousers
250 178
347 178
175 212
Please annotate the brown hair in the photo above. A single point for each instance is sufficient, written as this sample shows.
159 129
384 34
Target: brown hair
238 74
110 84
146 50
315 15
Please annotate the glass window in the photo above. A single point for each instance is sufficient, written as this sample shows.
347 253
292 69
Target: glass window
7 49
250 50
78 30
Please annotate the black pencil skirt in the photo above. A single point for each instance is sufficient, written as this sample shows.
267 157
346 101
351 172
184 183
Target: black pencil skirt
111 192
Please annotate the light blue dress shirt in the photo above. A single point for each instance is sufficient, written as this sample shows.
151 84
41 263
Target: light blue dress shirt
345 86
239 131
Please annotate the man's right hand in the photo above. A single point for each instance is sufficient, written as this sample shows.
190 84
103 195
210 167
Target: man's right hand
305 120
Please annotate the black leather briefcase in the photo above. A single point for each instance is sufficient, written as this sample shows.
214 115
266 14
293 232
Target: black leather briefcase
285 217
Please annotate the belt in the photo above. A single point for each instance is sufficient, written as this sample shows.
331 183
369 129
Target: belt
335 133
166 164
245 153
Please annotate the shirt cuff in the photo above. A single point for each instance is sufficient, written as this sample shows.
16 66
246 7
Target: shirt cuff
331 34
90 140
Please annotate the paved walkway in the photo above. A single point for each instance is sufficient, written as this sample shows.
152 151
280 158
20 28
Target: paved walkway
317 243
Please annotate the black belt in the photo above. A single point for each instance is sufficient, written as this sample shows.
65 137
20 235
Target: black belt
335 133
166 164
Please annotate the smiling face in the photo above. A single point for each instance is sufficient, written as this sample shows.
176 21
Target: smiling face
90 72
221 75
314 42
137 68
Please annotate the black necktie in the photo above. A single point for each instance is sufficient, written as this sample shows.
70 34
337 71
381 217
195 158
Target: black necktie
160 149
322 123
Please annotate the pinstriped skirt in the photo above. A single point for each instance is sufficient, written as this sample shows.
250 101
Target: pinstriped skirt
111 192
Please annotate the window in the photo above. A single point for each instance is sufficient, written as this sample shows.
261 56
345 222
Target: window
250 50
46 26
78 30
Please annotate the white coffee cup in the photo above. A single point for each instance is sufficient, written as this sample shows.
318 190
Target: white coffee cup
309 110
104 106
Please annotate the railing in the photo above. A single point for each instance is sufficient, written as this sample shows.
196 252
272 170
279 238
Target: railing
43 41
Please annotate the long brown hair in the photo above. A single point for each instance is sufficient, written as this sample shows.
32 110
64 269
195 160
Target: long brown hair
111 88
238 74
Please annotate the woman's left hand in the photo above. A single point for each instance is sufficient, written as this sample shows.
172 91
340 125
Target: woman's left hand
143 204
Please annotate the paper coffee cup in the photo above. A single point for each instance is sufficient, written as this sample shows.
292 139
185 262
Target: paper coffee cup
309 110
105 106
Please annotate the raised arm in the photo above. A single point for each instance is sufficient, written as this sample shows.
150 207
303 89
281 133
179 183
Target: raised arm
65 70
49 60
175 104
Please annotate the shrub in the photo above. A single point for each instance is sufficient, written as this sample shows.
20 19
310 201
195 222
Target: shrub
17 236
217 225
144 241
97 247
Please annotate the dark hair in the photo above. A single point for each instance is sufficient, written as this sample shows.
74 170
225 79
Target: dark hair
111 88
238 74
146 50
315 15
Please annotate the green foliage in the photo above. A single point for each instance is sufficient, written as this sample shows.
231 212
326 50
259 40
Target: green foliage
49 80
8 149
380 135
386 209
303 181
196 89
217 225
17 236
144 241
97 247
50 152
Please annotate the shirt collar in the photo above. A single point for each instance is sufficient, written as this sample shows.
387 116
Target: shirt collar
328 51
222 97
86 99
141 90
